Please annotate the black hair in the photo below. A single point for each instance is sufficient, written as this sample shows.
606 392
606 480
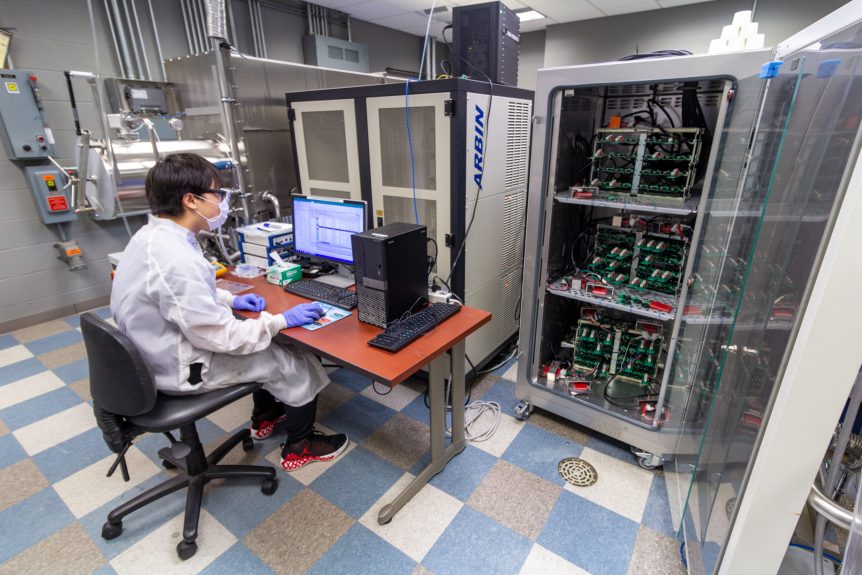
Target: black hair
176 175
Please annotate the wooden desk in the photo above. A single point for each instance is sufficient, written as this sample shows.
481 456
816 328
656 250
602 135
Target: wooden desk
345 342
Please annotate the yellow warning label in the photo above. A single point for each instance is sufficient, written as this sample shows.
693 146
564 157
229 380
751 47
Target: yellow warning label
12 87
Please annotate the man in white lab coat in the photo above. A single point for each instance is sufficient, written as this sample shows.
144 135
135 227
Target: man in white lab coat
164 299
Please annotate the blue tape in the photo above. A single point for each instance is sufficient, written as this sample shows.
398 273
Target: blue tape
770 69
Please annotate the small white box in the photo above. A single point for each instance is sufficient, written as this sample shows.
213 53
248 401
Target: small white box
742 18
730 32
717 46
755 42
262 263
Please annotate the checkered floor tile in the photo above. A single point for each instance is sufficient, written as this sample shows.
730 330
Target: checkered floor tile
499 507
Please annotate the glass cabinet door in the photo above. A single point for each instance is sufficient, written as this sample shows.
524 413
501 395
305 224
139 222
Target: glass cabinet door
761 245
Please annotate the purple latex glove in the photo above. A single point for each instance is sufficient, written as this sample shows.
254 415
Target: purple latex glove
302 314
249 302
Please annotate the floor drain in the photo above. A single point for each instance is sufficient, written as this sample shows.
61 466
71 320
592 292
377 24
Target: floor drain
577 472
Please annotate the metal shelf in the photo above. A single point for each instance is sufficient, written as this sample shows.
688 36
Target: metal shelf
651 204
584 296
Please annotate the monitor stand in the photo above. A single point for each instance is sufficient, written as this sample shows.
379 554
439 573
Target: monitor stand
342 278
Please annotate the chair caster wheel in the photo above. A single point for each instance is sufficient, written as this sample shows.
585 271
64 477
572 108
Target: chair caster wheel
111 531
167 464
247 444
269 486
186 551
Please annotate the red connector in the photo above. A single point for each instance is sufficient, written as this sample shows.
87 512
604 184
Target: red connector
660 306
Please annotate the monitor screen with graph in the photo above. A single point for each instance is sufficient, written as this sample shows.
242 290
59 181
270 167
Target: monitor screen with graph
322 227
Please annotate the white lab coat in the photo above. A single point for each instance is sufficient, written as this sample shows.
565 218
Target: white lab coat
164 299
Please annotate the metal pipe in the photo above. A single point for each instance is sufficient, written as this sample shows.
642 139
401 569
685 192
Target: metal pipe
233 38
120 63
326 21
121 37
836 514
349 35
158 42
200 29
202 22
227 102
137 22
315 20
186 23
253 29
193 25
135 48
73 103
260 31
308 16
268 196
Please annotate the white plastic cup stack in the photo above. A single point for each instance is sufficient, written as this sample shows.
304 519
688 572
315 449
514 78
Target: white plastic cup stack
740 34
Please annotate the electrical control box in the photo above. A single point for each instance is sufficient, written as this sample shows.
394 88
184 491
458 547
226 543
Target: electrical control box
52 201
24 133
486 40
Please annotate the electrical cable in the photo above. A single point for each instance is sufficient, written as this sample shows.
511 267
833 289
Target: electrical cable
829 556
410 146
374 387
485 370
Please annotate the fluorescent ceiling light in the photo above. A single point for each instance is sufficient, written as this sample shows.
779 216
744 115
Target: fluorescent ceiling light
528 15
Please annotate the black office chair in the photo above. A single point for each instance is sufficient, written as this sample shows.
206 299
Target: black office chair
127 404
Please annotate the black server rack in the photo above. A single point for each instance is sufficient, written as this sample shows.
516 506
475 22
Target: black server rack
486 42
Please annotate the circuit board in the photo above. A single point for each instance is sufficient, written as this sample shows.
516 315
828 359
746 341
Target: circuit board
660 263
652 162
626 350
613 254
639 259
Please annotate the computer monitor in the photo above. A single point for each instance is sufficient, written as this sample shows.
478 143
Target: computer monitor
322 227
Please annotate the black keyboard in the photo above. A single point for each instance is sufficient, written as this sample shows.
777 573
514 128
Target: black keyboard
319 291
400 333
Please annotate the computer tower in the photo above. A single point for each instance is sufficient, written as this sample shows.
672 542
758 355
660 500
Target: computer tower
452 123
391 271
486 42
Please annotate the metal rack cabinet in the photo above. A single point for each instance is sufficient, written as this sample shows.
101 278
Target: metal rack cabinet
582 98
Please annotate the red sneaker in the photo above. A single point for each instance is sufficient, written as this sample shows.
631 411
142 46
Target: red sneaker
318 447
265 427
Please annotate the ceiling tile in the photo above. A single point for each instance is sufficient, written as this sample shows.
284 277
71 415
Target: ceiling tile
512 4
374 10
672 3
566 10
338 4
616 7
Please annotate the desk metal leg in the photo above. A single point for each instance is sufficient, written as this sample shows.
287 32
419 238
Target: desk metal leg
440 454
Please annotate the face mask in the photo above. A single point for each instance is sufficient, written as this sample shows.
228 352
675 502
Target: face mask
216 222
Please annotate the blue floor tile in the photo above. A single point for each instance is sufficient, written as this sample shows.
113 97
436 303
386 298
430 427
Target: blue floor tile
240 506
358 418
657 512
105 569
473 543
74 371
103 312
20 370
39 407
505 367
29 521
356 481
71 456
136 525
10 450
462 475
7 341
539 452
237 559
361 551
417 410
55 341
590 536
612 447
350 380
74 321
503 392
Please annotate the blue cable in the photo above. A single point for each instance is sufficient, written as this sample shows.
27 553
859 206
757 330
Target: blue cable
410 144
682 554
829 556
